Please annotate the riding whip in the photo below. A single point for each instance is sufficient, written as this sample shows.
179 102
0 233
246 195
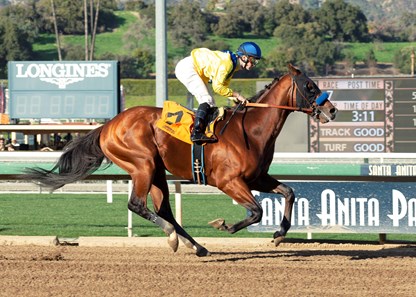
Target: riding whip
226 124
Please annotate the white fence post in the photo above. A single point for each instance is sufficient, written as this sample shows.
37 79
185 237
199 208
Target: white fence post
129 213
109 191
178 202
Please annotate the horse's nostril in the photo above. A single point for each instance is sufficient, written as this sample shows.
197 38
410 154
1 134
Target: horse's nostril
333 112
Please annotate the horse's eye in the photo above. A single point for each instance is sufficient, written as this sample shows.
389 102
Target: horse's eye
309 87
312 89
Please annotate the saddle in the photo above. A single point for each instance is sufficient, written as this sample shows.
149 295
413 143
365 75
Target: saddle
177 120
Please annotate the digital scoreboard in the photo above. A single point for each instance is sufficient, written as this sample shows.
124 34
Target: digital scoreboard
374 115
69 89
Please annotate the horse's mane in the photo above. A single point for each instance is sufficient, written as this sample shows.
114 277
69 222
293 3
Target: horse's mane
266 88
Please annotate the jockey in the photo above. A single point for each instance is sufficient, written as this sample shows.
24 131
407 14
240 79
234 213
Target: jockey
205 66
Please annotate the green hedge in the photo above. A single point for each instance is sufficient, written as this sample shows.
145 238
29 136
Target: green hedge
141 92
147 87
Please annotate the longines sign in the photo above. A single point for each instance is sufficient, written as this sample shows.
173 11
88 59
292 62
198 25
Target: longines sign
70 89
62 74
339 207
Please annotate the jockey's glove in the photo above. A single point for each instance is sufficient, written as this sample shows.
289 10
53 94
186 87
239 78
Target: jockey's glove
239 99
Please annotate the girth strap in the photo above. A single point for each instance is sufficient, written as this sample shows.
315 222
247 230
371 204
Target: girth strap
198 166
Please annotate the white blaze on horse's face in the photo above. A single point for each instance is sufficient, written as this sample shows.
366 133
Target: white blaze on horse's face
326 112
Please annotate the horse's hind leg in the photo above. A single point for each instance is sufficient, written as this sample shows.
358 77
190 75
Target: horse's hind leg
139 206
160 196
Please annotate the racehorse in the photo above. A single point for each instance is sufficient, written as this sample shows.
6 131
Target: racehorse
237 164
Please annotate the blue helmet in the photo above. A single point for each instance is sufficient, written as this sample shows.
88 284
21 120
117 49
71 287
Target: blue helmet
250 49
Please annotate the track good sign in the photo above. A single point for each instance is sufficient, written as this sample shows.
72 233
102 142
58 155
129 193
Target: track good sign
375 115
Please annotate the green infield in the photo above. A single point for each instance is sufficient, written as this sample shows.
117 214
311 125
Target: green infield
74 215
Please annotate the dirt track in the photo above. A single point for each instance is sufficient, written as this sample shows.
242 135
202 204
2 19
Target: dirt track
293 269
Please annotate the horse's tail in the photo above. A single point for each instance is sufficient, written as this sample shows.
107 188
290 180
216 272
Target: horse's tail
81 157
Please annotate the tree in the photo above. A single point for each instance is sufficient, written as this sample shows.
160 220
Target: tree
342 21
402 59
144 62
304 45
70 16
187 24
55 26
142 29
85 10
286 13
135 5
230 27
16 36
15 44
73 52
407 26
138 65
245 17
94 24
24 16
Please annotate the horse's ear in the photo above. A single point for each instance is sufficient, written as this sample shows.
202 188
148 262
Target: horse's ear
293 69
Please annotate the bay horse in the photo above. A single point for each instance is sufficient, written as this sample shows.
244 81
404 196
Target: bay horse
237 164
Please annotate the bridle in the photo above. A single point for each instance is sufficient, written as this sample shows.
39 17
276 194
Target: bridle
313 108
310 108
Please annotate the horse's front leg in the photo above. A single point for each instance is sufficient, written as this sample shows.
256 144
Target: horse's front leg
268 184
285 225
238 190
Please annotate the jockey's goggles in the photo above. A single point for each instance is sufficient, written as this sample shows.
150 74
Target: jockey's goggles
253 60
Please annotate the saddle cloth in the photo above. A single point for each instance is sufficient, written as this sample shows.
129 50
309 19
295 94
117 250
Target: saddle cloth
177 120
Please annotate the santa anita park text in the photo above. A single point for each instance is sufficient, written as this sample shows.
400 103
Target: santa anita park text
343 207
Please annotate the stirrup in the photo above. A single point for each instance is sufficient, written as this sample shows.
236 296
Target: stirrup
202 138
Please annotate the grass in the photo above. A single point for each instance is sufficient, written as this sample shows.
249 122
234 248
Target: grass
384 51
112 42
108 42
74 215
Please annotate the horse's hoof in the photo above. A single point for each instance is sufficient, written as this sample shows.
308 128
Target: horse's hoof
202 252
186 242
218 224
278 240
173 241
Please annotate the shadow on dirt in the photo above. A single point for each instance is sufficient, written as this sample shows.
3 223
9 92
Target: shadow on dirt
352 252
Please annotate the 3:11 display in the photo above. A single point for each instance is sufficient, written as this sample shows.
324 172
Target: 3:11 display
363 116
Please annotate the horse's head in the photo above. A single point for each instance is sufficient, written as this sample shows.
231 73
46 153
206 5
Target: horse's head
309 96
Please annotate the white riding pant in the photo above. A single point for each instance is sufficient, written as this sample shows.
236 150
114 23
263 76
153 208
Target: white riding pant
185 72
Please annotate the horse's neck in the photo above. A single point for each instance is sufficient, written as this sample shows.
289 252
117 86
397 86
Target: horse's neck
272 119
279 92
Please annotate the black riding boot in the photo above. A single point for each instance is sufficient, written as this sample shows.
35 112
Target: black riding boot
198 133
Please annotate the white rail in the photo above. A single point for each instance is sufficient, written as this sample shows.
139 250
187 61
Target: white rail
22 156
34 156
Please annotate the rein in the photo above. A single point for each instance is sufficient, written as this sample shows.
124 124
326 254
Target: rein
285 107
305 110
